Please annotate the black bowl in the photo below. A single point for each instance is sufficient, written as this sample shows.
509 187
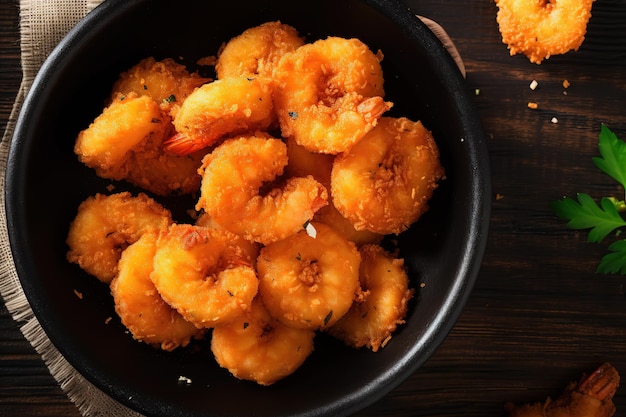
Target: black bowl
45 183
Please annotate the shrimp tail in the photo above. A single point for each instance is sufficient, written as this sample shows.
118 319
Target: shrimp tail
372 108
181 144
601 383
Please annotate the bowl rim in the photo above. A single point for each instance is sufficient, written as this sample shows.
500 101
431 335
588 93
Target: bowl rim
480 211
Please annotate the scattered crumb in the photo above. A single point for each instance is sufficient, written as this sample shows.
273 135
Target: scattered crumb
78 294
110 188
499 197
108 320
422 284
184 380
477 91
532 105
310 230
554 120
566 84
534 84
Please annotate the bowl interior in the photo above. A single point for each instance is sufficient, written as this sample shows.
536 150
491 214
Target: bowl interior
45 184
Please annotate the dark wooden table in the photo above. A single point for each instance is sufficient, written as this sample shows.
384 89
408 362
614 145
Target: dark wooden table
539 315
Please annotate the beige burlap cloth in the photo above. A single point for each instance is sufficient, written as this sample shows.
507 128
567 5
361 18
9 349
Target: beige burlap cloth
43 23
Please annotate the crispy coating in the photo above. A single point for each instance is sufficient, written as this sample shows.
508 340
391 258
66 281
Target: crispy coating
329 94
166 82
125 143
233 175
226 107
105 225
242 247
140 307
303 162
382 305
309 282
124 124
542 28
256 50
197 274
383 183
257 347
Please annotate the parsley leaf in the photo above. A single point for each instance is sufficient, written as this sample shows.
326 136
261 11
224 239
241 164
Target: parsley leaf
604 218
585 214
613 151
614 262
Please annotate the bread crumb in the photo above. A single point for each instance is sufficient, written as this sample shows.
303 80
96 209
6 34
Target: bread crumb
532 105
499 197
78 294
554 120
566 84
534 84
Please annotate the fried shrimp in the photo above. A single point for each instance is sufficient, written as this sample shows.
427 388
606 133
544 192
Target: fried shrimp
330 215
382 305
329 94
542 28
256 50
166 82
232 176
226 107
302 163
197 274
105 225
259 348
383 183
592 396
309 282
126 123
125 143
140 307
239 245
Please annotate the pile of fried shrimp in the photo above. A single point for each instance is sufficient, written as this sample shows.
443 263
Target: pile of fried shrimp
298 175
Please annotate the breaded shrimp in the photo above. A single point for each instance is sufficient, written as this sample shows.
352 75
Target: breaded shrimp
125 123
242 247
233 174
140 307
256 50
329 94
330 215
591 396
197 274
309 282
105 225
542 28
166 82
226 107
259 348
303 162
383 183
125 142
382 305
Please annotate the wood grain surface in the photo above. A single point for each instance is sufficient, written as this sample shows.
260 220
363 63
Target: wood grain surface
539 316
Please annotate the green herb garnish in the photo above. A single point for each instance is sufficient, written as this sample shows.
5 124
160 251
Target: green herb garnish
170 99
608 216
